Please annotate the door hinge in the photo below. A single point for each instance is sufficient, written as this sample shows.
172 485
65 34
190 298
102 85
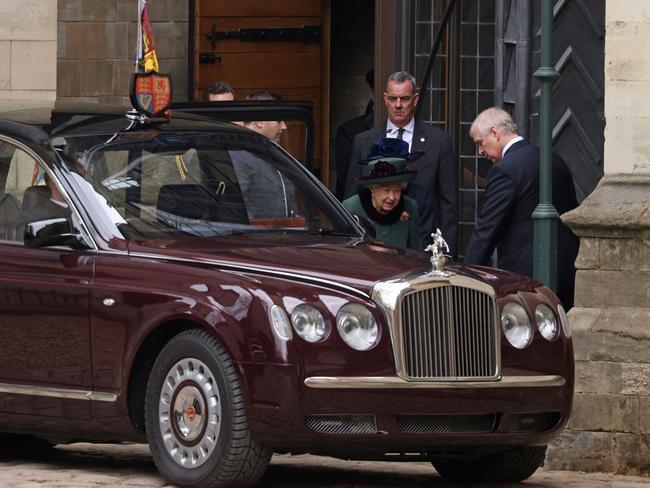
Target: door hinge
306 34
208 58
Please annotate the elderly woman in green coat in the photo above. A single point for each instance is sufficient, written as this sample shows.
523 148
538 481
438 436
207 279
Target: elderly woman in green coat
395 216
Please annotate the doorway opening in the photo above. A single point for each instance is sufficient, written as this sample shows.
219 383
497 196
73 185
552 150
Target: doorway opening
352 57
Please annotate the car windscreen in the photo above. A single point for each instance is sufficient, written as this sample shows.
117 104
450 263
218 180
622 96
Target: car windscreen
158 185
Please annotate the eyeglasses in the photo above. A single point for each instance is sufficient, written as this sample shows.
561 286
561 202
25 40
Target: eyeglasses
393 98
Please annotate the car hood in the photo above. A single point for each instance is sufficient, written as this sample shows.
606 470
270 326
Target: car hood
336 259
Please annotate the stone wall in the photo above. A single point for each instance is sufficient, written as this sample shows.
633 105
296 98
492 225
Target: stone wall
609 429
610 426
97 42
28 49
627 83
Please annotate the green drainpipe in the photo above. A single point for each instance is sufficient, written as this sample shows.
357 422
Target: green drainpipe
545 217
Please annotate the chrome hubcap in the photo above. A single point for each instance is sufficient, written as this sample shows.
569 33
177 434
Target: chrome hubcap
189 413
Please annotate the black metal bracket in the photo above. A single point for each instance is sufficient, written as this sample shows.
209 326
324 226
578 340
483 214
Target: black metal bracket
305 34
208 58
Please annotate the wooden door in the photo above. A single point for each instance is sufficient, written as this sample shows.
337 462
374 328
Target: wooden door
295 70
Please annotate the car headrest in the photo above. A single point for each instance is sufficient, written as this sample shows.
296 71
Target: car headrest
35 196
188 201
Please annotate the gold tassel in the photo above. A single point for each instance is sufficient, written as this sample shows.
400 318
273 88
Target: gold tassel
180 166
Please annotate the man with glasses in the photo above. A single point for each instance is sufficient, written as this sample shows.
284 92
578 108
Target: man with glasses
435 186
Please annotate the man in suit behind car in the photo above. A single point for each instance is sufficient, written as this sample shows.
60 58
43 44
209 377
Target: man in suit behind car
435 187
512 193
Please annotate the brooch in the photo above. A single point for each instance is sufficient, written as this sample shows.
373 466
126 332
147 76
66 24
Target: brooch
405 216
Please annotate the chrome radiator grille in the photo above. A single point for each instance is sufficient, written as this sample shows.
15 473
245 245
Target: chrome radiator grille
449 333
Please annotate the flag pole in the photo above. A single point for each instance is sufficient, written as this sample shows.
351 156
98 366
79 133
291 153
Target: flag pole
138 49
132 114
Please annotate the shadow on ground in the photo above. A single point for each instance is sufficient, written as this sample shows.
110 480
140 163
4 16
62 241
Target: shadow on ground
100 458
131 460
283 476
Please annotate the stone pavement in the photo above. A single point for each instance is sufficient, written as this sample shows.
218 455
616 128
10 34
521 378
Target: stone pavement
130 466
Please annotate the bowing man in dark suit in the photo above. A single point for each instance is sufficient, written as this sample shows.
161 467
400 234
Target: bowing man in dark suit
511 195
436 193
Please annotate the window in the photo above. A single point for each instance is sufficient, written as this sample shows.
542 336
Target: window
150 185
461 85
27 194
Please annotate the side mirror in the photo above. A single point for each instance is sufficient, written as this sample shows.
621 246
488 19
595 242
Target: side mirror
367 224
52 232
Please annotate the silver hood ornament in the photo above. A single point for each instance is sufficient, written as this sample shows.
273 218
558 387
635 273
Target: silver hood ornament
438 247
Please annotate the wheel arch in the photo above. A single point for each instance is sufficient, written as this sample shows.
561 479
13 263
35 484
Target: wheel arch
144 361
231 331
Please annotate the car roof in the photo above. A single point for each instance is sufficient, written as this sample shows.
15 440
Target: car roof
39 121
50 115
40 113
58 118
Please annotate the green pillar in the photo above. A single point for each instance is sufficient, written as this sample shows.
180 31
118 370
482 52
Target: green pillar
545 217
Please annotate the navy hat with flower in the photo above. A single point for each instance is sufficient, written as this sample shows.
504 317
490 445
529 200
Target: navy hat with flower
382 171
387 163
391 148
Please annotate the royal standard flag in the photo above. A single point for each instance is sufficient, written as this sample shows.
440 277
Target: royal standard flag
146 50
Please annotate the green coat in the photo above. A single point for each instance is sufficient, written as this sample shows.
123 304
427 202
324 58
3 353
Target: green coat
399 233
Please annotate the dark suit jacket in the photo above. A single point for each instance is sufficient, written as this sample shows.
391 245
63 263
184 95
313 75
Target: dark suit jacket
505 221
343 148
424 200
436 172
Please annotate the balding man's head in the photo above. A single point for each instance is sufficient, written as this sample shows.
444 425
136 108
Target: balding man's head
491 130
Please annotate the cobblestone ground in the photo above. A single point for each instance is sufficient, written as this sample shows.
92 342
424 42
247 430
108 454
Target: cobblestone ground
130 465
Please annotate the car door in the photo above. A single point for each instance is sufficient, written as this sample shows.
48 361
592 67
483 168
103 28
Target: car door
45 354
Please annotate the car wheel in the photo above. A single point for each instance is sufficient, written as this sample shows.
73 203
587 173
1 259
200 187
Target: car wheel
195 417
507 466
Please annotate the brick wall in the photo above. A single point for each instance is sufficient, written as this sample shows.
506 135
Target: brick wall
28 50
97 42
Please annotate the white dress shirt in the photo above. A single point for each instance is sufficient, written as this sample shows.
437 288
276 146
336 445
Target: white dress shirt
510 143
407 136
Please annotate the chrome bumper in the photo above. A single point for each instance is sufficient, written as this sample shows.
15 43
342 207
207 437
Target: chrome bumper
394 382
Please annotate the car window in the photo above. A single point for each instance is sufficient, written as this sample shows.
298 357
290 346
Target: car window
201 185
27 194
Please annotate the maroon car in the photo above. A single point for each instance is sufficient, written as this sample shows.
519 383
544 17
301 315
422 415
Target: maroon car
188 283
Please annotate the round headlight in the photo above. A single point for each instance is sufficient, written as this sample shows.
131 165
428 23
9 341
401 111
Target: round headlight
564 318
357 327
516 325
546 323
280 322
309 323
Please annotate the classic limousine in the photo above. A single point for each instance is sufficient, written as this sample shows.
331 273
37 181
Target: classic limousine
188 283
